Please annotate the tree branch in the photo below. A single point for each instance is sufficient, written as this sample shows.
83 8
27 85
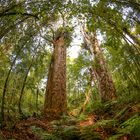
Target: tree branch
18 13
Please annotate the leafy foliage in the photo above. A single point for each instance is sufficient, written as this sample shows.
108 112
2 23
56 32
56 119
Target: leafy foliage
27 31
43 135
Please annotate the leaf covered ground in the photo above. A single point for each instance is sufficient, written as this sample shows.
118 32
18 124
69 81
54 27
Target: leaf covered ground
111 122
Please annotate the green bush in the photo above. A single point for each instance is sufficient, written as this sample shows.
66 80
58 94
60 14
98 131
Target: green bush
43 134
130 127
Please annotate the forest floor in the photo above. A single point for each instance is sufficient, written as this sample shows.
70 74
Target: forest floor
22 130
98 125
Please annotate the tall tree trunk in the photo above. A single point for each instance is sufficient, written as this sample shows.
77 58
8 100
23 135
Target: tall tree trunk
105 82
4 91
22 90
106 86
55 98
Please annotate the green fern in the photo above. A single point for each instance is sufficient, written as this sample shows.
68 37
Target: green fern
129 127
105 123
50 137
70 132
89 133
115 137
44 135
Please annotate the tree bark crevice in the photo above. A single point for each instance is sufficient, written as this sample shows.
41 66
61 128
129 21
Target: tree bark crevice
55 97
106 86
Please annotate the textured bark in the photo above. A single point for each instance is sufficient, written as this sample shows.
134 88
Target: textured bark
105 83
55 98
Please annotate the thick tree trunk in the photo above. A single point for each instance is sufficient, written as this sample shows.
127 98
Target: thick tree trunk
55 98
104 78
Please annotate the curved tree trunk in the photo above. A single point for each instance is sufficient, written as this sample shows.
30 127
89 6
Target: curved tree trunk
4 91
55 98
22 90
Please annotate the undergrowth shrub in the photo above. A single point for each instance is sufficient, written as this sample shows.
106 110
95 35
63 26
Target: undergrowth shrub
89 133
43 134
130 127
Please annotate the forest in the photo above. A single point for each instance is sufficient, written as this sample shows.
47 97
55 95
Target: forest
69 69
